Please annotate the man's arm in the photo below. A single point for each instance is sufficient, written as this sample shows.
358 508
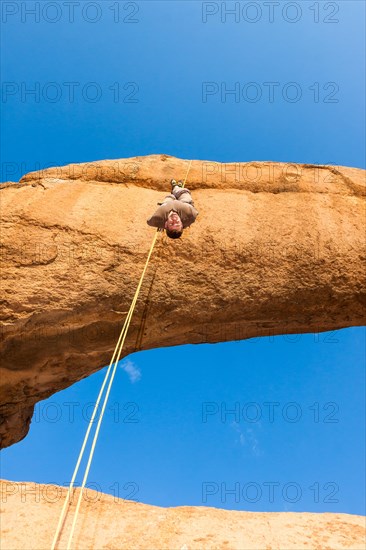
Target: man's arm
156 221
159 217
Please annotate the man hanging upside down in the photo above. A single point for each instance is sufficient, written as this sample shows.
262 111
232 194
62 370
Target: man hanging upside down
176 212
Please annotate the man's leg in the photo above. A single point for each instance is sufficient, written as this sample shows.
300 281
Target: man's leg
182 194
167 199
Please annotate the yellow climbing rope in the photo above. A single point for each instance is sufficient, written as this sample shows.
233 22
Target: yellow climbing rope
189 167
117 352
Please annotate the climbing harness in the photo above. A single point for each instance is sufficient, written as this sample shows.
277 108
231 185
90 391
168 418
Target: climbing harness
110 371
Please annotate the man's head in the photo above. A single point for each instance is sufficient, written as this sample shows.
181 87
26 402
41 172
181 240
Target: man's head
174 225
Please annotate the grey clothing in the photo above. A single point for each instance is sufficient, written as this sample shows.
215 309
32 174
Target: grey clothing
180 201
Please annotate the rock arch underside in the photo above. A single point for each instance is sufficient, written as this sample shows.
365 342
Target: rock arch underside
276 248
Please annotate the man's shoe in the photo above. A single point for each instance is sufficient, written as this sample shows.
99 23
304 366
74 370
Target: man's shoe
174 183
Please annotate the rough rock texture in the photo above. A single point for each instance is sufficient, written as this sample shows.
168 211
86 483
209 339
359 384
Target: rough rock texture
276 249
30 514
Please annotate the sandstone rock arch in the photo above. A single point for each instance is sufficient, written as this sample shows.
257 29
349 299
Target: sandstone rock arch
277 248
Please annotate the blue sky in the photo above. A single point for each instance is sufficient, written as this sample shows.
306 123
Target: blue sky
295 440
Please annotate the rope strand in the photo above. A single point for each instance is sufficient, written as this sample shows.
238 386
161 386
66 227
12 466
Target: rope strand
128 320
63 511
110 374
189 167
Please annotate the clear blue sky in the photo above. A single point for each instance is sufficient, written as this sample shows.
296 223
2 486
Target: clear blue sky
167 438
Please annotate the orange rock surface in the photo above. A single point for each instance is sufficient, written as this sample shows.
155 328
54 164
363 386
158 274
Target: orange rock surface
30 514
277 248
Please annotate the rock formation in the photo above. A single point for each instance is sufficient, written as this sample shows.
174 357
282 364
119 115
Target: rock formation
30 512
277 248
